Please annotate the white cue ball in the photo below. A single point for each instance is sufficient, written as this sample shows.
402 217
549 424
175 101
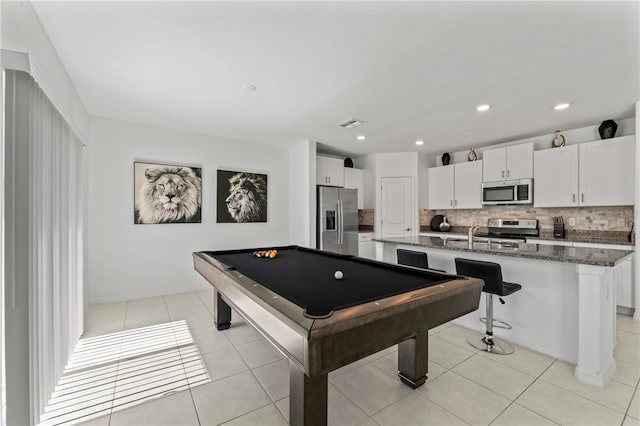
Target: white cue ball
338 275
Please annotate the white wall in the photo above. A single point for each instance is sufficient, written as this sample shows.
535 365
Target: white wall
396 164
368 164
128 261
302 190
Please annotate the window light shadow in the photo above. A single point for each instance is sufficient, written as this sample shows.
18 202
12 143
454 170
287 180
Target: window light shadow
118 370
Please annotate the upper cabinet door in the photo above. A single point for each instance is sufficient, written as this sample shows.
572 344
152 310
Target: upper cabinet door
468 185
519 161
508 163
555 177
321 171
441 187
607 172
335 171
329 171
494 165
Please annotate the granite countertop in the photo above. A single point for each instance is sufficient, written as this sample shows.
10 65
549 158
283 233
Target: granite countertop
572 236
578 255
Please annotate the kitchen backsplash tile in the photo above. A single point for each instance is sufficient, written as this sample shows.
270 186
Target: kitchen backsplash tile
593 224
365 217
586 218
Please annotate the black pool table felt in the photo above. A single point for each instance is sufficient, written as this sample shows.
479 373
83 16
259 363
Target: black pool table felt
306 278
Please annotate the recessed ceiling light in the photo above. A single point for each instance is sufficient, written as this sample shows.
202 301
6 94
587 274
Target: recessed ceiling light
562 106
419 142
483 107
248 87
361 137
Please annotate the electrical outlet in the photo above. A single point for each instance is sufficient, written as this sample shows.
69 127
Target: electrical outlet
621 222
572 221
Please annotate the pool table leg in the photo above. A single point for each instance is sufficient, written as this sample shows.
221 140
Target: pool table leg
413 359
307 398
221 312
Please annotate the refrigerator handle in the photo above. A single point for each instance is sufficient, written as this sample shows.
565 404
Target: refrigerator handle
340 223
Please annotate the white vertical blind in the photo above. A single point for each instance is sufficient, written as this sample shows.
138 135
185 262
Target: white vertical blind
52 156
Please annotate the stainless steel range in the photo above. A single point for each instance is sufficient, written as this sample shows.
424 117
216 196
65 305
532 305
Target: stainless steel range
508 231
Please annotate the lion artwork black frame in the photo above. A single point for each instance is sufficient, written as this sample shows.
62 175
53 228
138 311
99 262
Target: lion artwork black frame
184 184
241 197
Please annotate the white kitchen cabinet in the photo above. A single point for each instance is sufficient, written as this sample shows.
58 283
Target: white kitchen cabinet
607 172
555 177
623 277
366 246
329 171
508 163
457 186
440 187
600 173
354 179
623 273
467 183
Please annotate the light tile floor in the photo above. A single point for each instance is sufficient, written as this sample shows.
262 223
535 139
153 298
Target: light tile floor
250 380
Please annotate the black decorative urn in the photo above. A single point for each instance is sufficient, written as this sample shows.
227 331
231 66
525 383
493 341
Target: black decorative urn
607 129
446 158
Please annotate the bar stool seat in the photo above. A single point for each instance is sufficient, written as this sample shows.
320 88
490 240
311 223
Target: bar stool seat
491 274
417 259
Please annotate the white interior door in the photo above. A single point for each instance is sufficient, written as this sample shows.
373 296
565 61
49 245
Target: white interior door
397 207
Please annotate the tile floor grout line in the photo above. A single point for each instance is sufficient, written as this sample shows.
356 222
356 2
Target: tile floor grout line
588 398
633 394
412 392
536 380
115 385
346 396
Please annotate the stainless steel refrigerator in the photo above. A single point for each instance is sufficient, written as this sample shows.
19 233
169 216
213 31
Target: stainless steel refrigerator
337 220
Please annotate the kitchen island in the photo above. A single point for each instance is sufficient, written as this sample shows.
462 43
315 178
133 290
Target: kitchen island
566 308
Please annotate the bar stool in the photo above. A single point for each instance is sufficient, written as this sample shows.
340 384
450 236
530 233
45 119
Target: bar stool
417 259
491 274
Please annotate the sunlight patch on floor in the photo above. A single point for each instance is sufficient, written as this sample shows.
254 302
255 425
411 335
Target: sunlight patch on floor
119 370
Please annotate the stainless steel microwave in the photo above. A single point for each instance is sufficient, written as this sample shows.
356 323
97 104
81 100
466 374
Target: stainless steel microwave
508 192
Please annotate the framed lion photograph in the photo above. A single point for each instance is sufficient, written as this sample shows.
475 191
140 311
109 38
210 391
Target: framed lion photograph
242 197
166 193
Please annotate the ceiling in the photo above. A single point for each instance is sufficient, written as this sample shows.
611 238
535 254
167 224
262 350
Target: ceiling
409 70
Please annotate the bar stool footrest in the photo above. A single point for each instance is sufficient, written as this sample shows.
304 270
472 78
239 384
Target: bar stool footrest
491 345
497 323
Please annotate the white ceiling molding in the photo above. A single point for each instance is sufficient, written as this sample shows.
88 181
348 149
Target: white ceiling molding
18 61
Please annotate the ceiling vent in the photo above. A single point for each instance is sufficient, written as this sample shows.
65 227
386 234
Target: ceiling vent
351 123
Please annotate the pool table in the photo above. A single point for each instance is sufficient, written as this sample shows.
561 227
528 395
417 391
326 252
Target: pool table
321 323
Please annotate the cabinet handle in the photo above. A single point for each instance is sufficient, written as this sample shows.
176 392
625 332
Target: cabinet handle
451 203
408 229
503 173
574 198
583 197
508 173
329 179
455 203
